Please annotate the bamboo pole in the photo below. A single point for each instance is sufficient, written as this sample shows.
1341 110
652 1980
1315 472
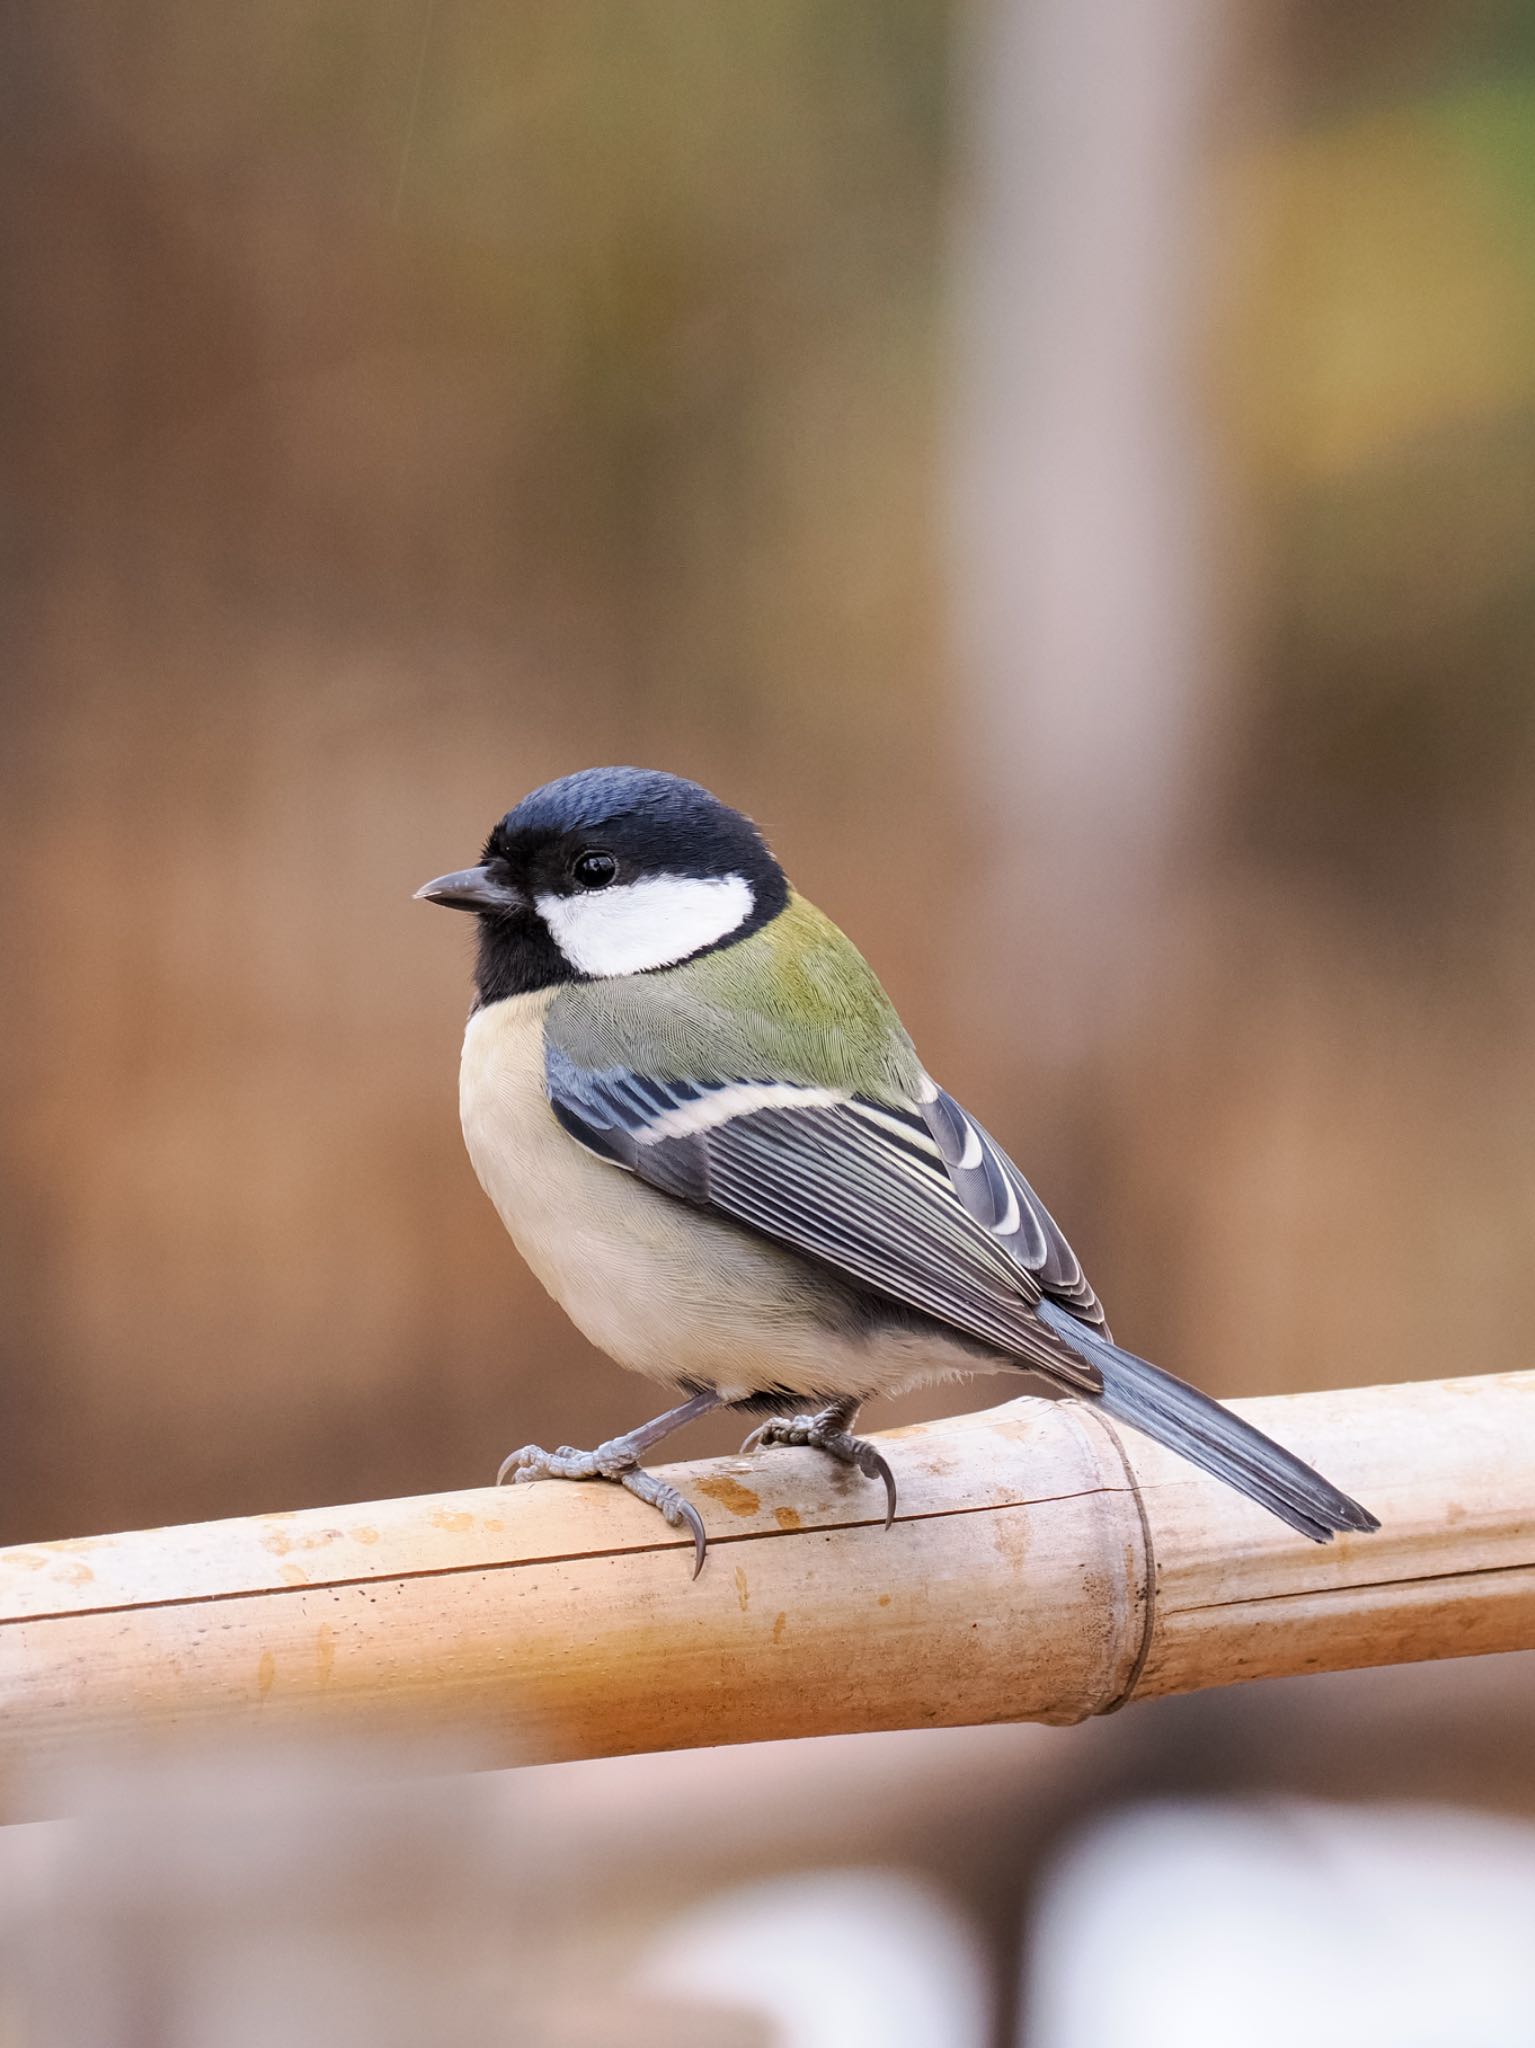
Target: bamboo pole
1043 1566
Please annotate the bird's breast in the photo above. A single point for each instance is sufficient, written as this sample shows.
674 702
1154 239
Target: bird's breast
553 1197
661 1289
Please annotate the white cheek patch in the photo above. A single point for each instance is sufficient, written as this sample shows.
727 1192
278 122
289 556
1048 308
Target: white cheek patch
645 924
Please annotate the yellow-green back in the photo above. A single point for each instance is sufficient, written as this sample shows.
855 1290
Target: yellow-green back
796 1001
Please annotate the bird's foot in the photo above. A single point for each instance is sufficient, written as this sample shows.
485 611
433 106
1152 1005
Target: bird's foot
618 1460
828 1431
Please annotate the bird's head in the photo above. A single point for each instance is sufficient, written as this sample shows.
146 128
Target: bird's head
607 872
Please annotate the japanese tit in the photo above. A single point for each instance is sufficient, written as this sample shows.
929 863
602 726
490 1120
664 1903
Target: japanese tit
705 1128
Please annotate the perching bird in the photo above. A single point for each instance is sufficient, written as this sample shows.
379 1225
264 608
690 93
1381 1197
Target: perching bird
703 1124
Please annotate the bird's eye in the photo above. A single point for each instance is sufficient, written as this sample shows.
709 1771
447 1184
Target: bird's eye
593 870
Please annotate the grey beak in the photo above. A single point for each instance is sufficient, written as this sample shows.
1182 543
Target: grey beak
473 889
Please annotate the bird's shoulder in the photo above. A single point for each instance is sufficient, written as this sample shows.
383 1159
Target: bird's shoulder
795 1001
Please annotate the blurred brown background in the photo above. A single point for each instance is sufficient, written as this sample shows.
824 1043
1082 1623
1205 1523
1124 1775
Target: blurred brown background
1068 468
1069 472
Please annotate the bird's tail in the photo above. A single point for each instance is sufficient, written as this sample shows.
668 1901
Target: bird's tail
1209 1435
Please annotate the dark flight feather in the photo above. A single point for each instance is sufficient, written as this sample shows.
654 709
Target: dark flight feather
1211 1436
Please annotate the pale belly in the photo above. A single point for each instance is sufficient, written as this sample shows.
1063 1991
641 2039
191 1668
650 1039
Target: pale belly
663 1289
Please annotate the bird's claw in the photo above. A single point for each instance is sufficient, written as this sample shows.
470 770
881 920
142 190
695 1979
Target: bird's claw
674 1507
825 1433
613 1460
873 1466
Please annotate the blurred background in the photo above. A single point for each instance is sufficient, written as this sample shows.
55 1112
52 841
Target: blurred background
1067 467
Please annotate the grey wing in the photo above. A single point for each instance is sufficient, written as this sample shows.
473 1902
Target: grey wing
863 1187
996 1194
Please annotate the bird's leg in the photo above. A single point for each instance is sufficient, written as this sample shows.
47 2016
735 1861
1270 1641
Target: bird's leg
619 1458
829 1430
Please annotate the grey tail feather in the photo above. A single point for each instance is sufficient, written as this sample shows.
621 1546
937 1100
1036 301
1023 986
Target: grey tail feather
1208 1435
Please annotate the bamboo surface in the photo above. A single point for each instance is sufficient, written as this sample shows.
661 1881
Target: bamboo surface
1043 1566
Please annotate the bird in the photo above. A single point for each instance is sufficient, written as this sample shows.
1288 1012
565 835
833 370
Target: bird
703 1124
